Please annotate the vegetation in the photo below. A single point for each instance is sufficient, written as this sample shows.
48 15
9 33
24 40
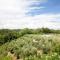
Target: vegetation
30 44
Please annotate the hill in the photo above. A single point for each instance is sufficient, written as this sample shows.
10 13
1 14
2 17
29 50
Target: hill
30 44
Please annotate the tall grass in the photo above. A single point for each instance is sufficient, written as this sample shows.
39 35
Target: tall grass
33 47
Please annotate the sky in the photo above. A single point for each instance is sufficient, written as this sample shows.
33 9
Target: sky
17 14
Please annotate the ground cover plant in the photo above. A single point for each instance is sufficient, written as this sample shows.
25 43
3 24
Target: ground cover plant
31 45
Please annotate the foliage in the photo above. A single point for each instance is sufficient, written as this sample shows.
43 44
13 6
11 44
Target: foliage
34 47
30 44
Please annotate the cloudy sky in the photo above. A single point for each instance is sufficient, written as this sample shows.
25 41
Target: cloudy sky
16 14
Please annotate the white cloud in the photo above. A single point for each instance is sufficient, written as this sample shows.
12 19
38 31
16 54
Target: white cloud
38 21
44 20
41 1
7 5
12 8
12 15
37 8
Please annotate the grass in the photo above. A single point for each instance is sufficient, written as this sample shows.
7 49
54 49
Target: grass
33 47
5 58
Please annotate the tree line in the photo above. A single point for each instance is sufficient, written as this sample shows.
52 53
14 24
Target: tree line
6 35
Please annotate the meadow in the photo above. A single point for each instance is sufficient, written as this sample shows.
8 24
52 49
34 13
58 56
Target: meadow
26 45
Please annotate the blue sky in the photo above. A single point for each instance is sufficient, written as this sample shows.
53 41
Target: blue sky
48 7
16 14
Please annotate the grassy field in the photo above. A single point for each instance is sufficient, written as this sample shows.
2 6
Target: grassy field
32 47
